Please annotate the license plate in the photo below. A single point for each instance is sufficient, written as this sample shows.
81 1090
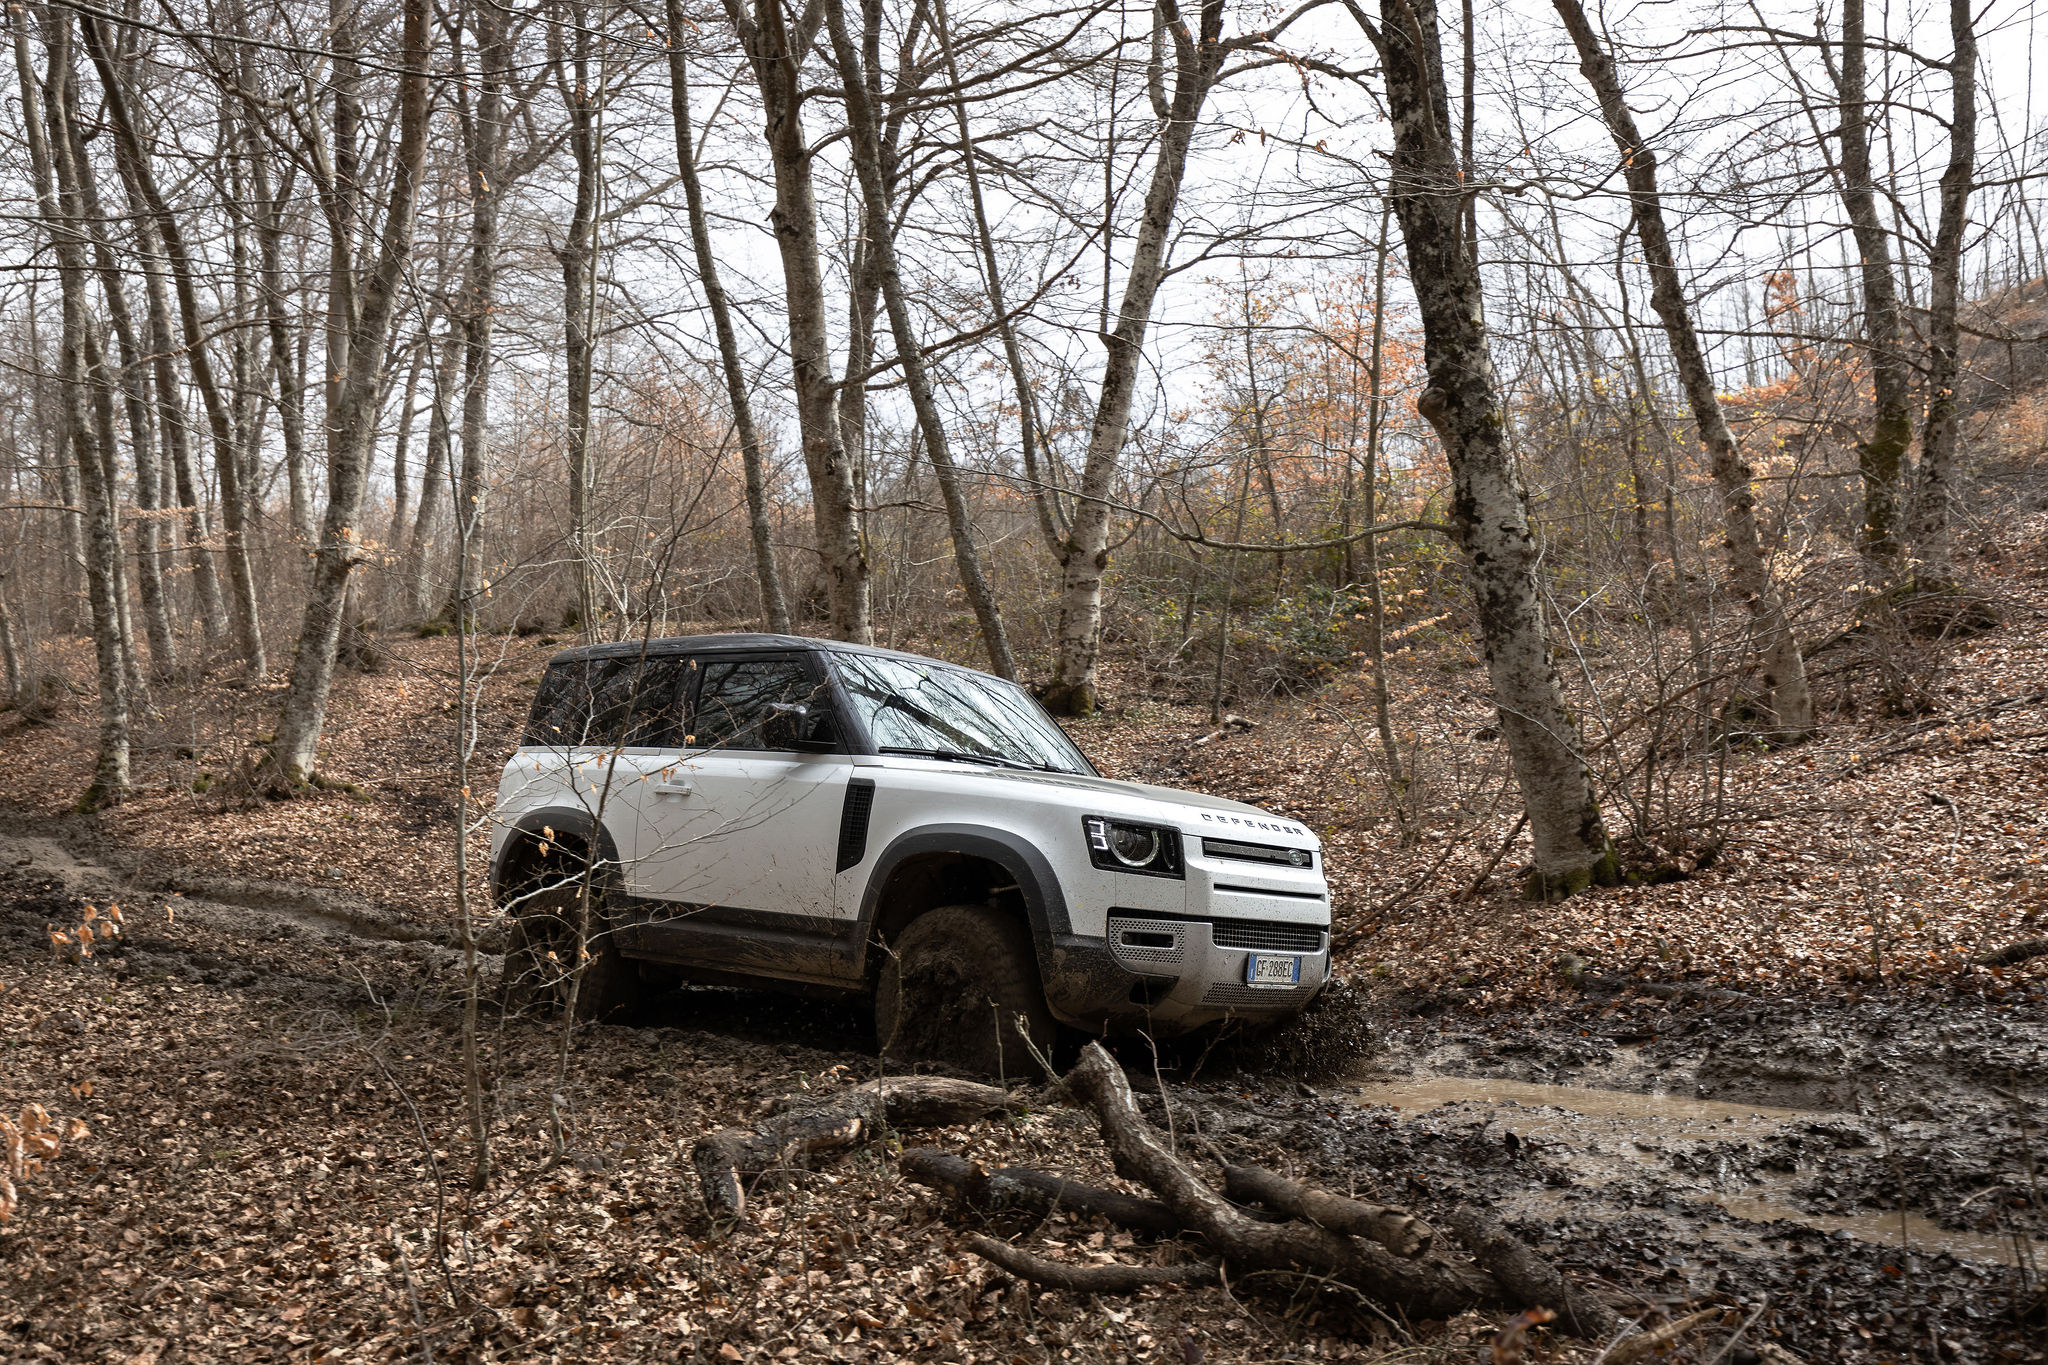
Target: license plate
1264 969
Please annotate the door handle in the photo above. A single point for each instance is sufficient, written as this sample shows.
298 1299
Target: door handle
676 788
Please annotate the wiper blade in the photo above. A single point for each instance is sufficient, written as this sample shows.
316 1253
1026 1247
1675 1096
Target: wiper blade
962 756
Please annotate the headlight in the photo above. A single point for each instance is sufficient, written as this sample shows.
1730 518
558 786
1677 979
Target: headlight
1120 846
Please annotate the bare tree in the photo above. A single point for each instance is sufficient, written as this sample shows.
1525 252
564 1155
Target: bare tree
880 248
84 383
140 174
1786 694
1883 456
1200 56
1934 563
576 255
760 532
776 51
1463 404
366 305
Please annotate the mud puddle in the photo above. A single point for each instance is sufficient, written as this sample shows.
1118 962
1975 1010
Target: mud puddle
1744 1159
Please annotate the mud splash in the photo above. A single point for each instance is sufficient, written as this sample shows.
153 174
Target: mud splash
1698 1150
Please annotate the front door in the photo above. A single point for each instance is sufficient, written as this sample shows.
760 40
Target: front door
744 834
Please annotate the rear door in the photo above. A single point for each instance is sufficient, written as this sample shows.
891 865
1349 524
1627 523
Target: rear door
747 833
595 742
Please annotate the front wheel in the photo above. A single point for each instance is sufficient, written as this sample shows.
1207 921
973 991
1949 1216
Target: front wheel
541 954
953 990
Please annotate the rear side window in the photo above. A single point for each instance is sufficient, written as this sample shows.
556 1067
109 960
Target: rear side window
602 702
734 698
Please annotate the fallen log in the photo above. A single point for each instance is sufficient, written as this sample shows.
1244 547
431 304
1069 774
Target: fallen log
1529 1279
1397 1230
1419 1288
729 1160
1086 1279
1019 1189
2012 954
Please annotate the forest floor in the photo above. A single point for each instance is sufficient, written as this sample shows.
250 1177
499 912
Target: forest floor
1783 1083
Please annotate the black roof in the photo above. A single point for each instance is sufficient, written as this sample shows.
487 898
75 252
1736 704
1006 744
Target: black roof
733 643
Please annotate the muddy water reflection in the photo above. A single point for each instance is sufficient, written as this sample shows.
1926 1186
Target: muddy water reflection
1619 1136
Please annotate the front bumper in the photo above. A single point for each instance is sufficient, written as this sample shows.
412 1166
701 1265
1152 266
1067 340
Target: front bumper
1178 973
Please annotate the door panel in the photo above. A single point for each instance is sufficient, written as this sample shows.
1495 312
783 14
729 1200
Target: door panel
732 827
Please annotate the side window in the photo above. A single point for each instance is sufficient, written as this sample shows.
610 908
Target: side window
735 696
661 704
565 706
585 702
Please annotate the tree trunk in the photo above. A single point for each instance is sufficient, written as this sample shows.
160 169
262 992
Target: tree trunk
173 427
1882 458
142 436
53 437
418 572
352 420
10 659
227 459
1051 525
1787 696
1934 563
484 161
79 367
776 56
401 450
576 257
105 481
1462 402
774 609
881 250
1085 554
1375 591
291 398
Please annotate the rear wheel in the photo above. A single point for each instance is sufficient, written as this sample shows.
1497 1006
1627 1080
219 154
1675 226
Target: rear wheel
953 989
541 954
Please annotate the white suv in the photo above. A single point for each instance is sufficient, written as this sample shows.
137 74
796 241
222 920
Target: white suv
769 810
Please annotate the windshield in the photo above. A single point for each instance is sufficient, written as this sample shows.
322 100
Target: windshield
948 712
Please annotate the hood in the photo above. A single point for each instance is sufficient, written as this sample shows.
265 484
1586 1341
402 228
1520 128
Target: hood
1207 812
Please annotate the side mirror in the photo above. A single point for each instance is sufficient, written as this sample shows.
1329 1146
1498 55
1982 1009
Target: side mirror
793 725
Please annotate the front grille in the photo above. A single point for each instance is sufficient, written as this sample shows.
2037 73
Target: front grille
1271 938
1256 999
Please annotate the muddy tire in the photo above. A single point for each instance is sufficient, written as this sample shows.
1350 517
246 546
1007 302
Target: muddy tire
946 982
540 949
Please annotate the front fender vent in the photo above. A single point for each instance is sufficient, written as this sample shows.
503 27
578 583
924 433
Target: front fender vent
853 822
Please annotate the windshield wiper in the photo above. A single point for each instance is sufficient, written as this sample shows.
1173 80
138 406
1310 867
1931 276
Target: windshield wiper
962 756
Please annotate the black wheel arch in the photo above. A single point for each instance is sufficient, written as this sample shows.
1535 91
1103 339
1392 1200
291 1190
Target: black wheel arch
563 827
934 851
